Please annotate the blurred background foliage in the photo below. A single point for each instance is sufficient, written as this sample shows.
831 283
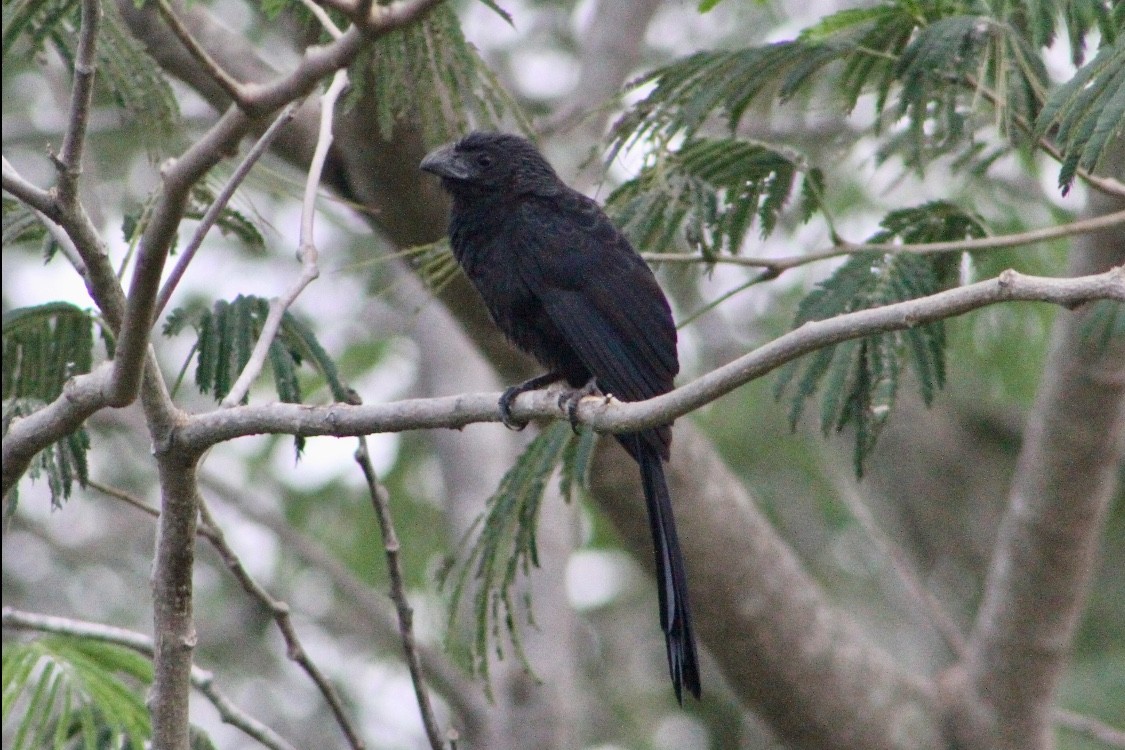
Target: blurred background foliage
818 163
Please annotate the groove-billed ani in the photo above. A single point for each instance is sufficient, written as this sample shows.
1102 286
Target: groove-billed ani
564 285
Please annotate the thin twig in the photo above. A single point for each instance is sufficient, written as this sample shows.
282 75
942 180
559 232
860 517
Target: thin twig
205 531
307 250
201 679
232 88
455 688
325 20
1104 184
778 265
938 617
220 202
69 160
380 500
1090 727
280 612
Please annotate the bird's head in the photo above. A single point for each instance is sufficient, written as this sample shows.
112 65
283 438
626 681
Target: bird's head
483 162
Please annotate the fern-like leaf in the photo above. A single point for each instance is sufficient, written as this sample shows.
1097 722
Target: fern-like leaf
435 57
44 346
1088 112
61 692
506 547
925 64
230 222
125 71
709 192
226 334
860 378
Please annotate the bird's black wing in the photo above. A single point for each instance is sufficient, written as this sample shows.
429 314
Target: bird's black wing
599 293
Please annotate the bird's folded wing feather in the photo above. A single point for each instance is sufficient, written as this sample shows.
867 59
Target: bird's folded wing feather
602 298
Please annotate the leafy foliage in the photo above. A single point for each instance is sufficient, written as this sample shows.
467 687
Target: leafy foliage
713 189
22 225
44 346
74 693
124 69
230 222
432 56
929 67
1088 112
226 336
506 545
63 462
860 378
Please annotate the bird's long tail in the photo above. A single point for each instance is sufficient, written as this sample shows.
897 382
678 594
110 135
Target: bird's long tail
675 609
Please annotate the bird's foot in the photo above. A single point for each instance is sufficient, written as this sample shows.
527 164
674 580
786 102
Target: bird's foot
570 400
510 395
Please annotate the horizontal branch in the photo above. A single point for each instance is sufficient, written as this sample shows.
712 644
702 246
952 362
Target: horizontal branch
32 195
201 679
609 415
1031 237
81 397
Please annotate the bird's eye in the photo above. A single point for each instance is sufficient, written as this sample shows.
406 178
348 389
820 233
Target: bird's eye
484 160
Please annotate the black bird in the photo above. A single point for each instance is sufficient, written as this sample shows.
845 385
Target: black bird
564 285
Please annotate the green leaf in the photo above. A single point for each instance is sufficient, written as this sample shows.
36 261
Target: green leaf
36 20
860 378
1088 112
576 463
432 56
495 8
44 346
61 691
20 224
135 82
506 547
125 72
230 222
63 462
226 335
1104 322
708 193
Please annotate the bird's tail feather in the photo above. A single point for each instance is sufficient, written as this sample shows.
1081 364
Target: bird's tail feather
675 609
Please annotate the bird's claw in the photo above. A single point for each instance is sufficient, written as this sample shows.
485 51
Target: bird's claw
570 400
506 400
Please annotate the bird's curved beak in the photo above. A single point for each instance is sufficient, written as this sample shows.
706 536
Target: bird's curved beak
445 162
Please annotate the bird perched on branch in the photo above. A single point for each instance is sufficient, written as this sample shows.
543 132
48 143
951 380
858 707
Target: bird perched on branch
564 285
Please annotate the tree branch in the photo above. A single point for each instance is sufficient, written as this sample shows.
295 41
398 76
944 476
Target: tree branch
280 612
1106 185
1090 727
381 502
32 195
225 81
69 161
458 691
201 679
173 627
1002 694
307 250
778 265
220 202
787 653
81 397
609 415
